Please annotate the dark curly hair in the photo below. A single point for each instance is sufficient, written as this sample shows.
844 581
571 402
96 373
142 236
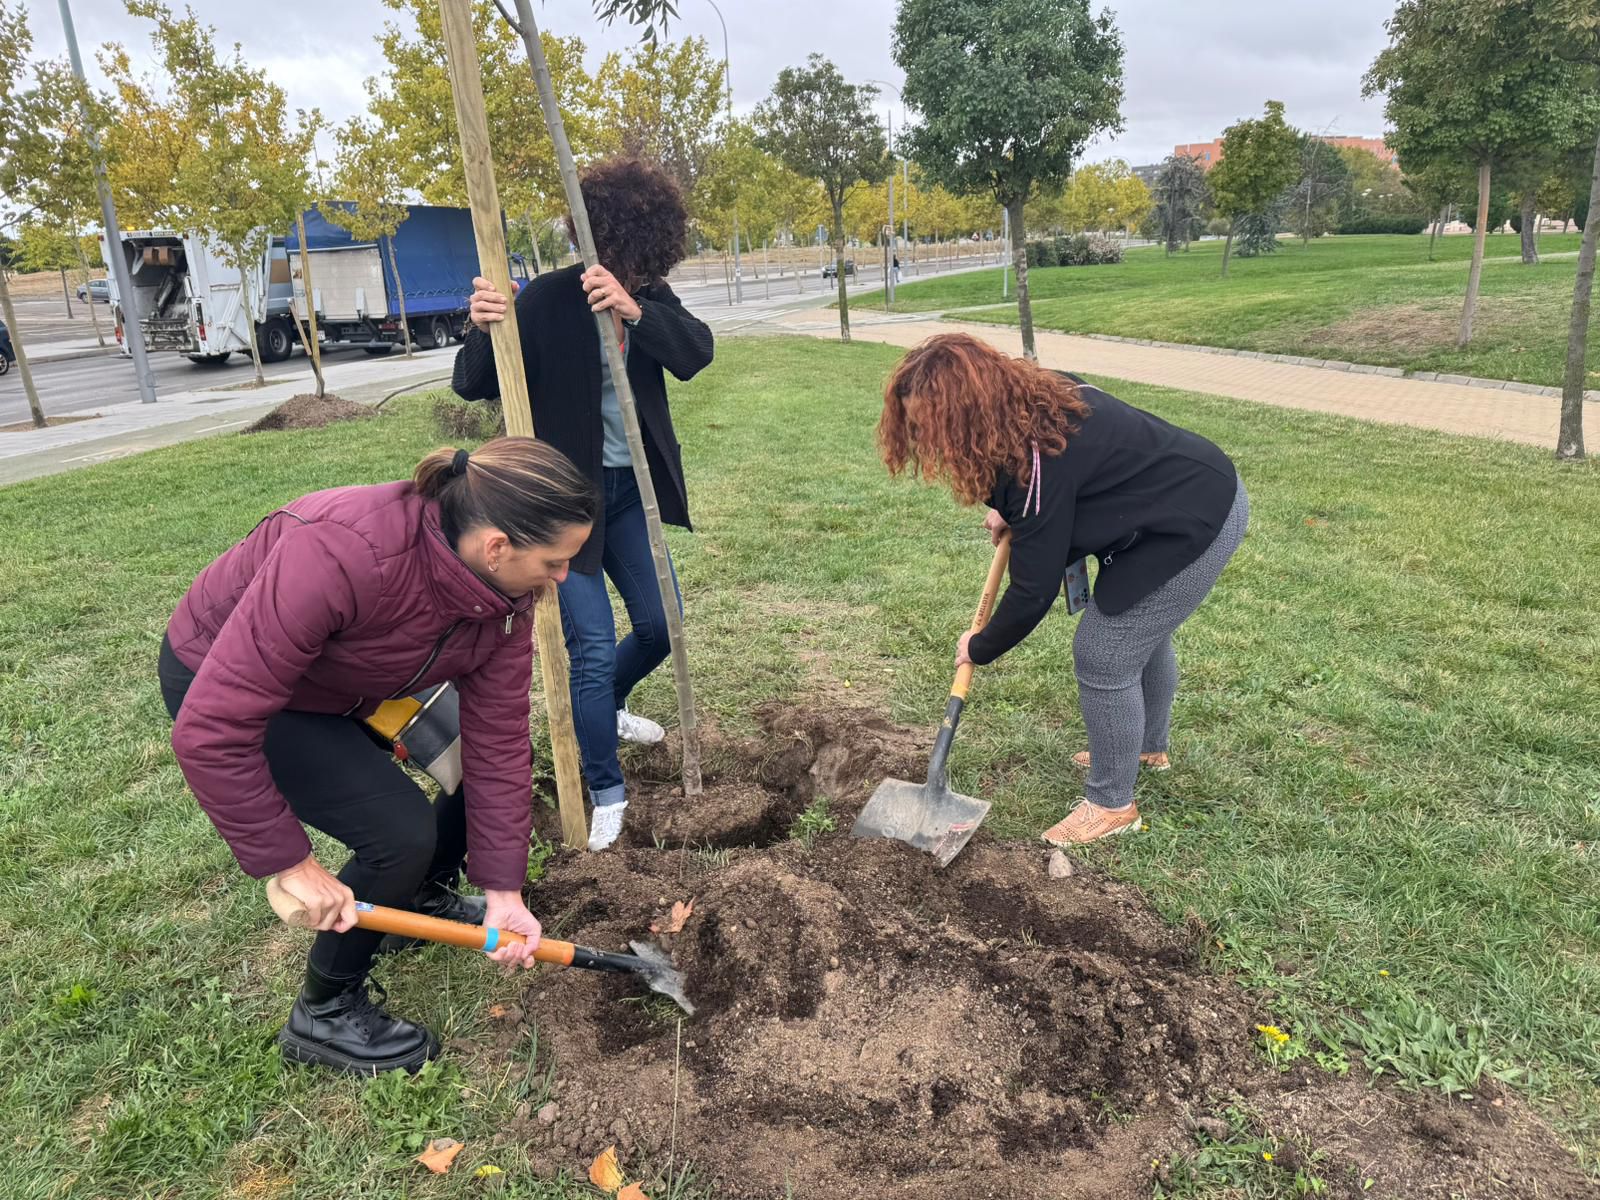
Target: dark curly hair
636 212
959 410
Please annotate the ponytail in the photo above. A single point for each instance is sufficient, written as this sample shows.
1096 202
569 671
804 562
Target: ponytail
527 489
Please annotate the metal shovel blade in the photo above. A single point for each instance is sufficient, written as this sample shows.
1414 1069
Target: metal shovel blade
659 974
928 817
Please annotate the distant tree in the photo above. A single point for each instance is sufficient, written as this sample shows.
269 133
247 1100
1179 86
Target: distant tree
662 101
1434 189
1256 233
1104 196
1009 94
244 166
1182 198
1461 90
1260 159
1313 202
825 129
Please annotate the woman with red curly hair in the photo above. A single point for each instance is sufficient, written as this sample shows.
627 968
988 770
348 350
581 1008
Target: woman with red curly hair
1072 471
639 224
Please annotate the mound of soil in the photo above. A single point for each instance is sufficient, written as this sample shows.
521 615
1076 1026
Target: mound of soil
871 1026
306 411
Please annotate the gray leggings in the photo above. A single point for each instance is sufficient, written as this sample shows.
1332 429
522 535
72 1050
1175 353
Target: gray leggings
1127 671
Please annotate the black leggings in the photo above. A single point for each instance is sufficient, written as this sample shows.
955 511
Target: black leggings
337 779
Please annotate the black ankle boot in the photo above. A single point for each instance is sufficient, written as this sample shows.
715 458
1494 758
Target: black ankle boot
336 1023
438 900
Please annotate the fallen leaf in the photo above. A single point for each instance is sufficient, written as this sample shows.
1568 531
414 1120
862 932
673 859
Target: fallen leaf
604 1172
681 911
497 1011
441 1152
487 1171
632 1192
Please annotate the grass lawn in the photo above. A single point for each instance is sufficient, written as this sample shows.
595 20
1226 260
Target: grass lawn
1386 801
1360 299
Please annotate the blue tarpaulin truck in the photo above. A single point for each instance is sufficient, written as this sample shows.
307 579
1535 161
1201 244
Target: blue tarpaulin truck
356 285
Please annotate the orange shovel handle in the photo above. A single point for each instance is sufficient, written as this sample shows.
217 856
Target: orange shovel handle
430 929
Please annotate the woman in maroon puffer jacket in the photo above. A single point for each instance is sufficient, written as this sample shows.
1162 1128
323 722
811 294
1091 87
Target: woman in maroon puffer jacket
333 603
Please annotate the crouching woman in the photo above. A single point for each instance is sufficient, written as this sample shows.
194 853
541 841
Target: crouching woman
333 603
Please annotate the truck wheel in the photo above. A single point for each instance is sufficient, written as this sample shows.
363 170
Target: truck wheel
274 341
438 333
379 351
210 360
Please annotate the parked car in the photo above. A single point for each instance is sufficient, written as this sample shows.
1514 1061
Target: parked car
7 355
828 272
98 292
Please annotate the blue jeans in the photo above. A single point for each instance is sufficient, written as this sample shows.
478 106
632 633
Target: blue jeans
604 672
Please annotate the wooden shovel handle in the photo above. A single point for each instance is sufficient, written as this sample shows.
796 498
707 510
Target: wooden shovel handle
415 925
991 590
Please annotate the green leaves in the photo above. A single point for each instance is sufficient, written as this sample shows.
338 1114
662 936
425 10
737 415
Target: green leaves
824 128
1010 92
1260 158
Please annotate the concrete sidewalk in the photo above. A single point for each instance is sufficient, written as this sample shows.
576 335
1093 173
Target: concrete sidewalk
1507 413
121 430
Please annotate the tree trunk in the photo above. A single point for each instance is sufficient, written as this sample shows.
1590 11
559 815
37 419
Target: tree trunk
400 294
1019 259
1475 276
250 325
34 408
311 342
689 729
838 270
1530 237
66 294
94 317
1434 236
1569 441
1227 251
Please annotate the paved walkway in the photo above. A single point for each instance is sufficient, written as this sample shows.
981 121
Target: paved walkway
1448 407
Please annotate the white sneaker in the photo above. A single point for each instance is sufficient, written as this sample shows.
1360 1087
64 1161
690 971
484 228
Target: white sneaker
632 728
606 825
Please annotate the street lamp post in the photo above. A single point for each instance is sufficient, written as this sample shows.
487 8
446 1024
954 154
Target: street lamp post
889 253
727 77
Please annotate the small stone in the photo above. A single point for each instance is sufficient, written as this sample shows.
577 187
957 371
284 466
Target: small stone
524 1110
1060 865
662 901
619 1129
1213 1127
833 962
548 1113
749 922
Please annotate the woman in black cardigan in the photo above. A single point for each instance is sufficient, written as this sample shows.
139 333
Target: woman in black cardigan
638 219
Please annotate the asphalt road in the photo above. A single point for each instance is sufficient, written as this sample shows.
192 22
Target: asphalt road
93 382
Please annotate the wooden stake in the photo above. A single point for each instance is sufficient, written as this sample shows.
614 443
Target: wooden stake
466 83
313 349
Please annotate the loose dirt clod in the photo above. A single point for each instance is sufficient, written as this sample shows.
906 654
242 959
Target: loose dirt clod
871 1026
306 411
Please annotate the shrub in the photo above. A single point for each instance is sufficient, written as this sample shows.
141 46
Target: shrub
1383 224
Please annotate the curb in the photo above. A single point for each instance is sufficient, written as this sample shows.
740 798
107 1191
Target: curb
69 355
1326 364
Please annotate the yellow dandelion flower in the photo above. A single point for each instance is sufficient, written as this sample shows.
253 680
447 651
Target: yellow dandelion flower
1266 1155
1274 1033
1383 972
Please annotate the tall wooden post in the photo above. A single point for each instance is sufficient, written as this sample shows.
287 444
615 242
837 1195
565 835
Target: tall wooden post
466 83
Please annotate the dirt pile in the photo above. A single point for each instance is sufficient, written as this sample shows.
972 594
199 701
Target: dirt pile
869 1025
306 411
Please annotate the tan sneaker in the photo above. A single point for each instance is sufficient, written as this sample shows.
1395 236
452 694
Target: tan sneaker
1151 762
1089 823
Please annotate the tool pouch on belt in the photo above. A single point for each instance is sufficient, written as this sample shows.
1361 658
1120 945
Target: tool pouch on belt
425 730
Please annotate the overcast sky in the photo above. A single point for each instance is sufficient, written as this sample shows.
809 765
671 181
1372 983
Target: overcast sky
1192 66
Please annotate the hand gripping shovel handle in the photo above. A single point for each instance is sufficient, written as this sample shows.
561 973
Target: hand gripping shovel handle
452 933
937 765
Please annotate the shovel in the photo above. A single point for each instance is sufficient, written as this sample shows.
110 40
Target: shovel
929 815
647 961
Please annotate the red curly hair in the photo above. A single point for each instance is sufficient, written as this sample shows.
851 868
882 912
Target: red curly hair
959 410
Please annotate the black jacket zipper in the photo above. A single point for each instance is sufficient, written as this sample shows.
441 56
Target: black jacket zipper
1105 559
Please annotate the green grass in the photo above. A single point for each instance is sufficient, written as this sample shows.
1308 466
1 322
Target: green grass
1386 800
1360 299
